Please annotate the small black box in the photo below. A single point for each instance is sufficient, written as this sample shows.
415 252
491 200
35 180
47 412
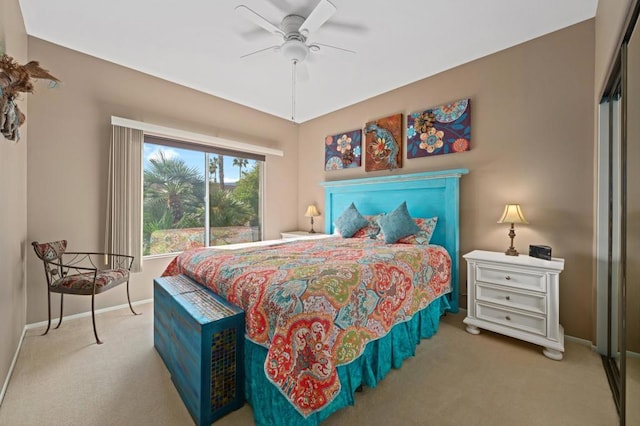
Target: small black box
541 252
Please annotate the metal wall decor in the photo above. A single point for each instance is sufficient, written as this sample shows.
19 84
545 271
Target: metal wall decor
16 78
383 143
343 150
443 129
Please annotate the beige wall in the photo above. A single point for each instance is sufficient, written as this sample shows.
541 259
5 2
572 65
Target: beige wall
13 205
530 110
610 18
532 142
68 150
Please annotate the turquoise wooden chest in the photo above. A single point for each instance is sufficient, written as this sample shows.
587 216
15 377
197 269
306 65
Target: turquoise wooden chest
200 337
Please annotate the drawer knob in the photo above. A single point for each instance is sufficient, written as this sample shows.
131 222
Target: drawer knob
508 318
507 278
508 297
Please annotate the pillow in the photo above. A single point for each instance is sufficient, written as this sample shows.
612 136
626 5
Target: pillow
397 224
350 221
371 230
426 231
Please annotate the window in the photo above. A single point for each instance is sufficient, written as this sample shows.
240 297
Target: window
198 196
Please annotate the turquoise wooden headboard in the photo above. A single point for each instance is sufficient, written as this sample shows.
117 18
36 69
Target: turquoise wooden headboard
427 194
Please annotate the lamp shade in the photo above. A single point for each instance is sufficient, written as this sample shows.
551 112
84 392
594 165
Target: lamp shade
312 211
512 214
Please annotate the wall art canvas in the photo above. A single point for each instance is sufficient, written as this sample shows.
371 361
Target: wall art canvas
444 129
383 144
343 150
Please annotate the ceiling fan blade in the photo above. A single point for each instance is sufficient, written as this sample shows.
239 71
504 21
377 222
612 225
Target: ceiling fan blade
258 20
333 47
253 35
346 27
323 11
282 5
274 48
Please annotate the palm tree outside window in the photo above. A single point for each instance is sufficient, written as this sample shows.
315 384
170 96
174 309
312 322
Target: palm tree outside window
190 200
240 163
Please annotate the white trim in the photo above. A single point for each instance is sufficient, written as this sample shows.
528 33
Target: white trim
578 340
88 313
156 130
631 354
12 366
602 227
160 256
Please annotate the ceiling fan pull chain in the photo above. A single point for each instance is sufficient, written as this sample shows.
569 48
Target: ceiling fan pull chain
293 90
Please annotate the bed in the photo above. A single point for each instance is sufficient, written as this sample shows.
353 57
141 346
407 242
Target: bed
325 316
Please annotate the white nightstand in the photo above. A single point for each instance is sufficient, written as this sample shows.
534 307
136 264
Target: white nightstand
297 235
517 296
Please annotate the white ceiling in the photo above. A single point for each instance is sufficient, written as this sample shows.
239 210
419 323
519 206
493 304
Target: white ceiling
198 43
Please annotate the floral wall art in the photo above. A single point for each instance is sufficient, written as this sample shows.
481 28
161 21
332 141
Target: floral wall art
383 144
443 129
343 150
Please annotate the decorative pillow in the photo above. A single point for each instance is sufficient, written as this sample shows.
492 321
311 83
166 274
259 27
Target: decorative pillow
397 224
371 230
350 221
426 231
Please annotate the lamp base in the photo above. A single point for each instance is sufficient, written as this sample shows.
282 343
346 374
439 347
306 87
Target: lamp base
312 231
511 251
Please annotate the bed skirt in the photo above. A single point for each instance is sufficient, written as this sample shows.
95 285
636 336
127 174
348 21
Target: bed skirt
270 407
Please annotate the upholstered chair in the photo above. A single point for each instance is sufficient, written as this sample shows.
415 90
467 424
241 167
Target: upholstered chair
82 273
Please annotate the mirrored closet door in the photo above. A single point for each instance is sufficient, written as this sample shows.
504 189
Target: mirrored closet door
632 230
619 226
610 289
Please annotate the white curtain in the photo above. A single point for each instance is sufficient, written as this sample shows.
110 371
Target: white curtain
124 202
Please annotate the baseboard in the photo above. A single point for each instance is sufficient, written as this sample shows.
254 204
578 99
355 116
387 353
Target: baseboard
88 313
631 354
583 342
12 366
578 340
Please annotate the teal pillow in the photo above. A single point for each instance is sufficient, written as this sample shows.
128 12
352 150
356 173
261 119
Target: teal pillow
350 221
397 224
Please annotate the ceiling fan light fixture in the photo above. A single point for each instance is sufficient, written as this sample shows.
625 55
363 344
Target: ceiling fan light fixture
294 30
294 50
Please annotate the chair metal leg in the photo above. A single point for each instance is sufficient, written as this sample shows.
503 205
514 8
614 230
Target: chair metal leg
61 310
93 318
49 311
129 300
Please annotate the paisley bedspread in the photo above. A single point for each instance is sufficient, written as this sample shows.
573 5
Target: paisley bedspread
315 304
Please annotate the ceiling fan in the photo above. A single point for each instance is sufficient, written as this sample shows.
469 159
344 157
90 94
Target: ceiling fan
295 31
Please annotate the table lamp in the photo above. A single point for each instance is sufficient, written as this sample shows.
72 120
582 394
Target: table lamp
512 214
312 211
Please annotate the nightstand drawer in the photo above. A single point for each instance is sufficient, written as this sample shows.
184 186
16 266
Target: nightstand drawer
534 302
512 277
517 296
530 323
